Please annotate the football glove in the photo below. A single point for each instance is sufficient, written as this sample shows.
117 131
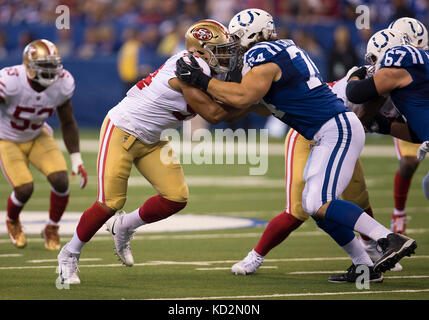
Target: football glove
380 124
423 149
78 168
191 73
357 72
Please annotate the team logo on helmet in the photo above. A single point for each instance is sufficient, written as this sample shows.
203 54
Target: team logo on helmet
252 18
202 34
382 45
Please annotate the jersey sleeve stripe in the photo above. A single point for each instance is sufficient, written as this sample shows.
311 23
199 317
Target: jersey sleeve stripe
413 55
418 54
1 83
276 46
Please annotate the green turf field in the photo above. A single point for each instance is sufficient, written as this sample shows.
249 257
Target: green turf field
196 265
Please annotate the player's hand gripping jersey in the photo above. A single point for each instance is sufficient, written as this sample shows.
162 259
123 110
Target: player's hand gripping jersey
25 110
411 101
152 106
300 98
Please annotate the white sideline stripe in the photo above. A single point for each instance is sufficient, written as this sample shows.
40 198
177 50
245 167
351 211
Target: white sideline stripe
308 294
92 145
194 263
228 268
55 260
7 255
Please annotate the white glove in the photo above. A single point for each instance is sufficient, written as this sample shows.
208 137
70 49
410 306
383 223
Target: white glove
78 168
423 149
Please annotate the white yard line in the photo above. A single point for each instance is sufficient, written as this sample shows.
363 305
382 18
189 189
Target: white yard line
195 263
55 260
308 294
92 145
9 255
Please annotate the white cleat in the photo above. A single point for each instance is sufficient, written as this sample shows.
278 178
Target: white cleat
68 266
248 265
375 253
121 237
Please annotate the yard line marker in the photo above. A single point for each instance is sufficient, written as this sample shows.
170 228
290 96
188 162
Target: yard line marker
229 268
308 294
55 260
194 263
7 255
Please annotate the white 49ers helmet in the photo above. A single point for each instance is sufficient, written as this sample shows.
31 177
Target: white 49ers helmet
382 41
414 29
42 62
249 24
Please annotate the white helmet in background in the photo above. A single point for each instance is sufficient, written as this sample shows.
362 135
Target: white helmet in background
382 41
248 24
414 29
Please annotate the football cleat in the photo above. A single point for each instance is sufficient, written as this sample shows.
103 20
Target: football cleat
248 265
351 275
398 223
395 246
68 266
17 236
121 237
375 253
52 239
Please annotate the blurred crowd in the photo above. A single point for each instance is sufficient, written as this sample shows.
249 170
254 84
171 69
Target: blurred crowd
143 32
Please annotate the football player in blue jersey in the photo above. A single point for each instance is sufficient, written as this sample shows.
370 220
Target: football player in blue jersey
283 77
402 72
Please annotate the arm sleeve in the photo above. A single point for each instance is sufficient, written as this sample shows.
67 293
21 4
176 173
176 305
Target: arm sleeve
360 91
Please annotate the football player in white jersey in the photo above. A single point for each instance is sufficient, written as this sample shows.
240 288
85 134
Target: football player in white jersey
29 94
131 133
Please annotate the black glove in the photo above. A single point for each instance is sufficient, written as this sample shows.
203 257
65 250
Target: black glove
360 73
380 124
192 73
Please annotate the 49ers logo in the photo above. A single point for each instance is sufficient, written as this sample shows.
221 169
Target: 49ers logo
202 34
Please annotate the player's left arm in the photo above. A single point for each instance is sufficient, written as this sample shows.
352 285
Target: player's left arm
70 135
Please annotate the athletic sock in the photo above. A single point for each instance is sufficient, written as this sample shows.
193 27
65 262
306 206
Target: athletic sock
158 208
276 231
14 207
353 217
347 240
75 245
58 204
371 214
132 220
400 191
91 221
357 253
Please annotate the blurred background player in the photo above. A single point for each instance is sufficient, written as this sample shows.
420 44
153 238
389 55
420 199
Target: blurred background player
29 94
132 133
406 151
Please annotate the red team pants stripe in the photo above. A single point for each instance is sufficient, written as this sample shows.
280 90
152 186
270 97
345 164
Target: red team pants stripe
102 155
290 149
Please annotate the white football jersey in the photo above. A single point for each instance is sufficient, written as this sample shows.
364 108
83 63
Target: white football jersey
339 88
152 106
24 111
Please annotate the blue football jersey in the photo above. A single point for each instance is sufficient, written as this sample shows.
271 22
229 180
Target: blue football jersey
300 98
411 101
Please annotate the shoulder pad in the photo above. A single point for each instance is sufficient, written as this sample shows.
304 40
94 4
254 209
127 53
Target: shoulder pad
66 84
402 56
9 80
